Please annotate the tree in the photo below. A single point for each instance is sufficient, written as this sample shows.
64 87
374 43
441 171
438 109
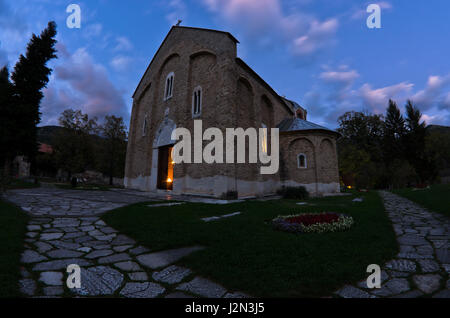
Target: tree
360 158
6 140
114 131
73 146
394 139
30 76
393 133
437 152
414 143
362 130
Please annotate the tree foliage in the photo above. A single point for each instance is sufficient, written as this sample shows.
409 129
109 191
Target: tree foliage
20 101
378 151
73 146
84 144
115 144
6 125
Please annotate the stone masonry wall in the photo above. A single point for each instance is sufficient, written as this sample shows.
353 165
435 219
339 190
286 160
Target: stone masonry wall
232 96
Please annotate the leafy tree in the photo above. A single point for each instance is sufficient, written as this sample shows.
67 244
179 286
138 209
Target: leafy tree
402 173
114 132
360 158
74 149
30 76
437 152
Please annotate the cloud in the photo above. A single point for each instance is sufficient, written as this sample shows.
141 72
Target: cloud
362 13
178 11
123 44
377 99
337 92
81 83
14 34
120 63
265 21
344 77
317 37
435 93
92 30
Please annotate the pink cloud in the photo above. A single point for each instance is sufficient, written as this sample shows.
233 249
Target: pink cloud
81 83
317 37
378 98
266 21
435 92
339 76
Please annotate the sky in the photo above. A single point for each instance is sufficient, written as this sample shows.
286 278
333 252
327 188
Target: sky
319 53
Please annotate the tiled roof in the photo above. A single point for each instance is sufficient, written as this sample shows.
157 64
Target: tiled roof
295 124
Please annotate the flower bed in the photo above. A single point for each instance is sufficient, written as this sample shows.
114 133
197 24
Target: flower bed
313 223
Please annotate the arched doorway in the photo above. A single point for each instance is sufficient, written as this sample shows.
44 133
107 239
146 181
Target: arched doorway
163 165
165 168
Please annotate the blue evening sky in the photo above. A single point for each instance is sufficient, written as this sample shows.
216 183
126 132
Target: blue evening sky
319 53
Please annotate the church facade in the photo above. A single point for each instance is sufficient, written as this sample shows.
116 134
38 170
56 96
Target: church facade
196 75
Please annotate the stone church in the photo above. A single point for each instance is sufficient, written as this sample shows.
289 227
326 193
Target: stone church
196 74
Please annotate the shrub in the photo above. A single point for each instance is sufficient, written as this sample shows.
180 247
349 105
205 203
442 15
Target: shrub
229 195
299 193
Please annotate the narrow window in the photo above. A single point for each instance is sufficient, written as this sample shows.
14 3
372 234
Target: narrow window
264 139
169 86
197 102
301 161
145 126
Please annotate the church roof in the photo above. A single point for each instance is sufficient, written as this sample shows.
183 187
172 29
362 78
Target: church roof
209 30
294 105
297 124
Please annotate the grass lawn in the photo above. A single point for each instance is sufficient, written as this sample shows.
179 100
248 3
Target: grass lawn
12 233
243 253
436 199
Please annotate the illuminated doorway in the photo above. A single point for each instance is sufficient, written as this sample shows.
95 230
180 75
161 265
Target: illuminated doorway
165 168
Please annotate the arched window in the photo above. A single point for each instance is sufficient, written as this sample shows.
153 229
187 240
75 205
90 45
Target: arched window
264 146
197 102
301 161
169 86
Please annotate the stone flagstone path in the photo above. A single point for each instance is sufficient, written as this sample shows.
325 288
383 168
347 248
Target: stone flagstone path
65 228
422 266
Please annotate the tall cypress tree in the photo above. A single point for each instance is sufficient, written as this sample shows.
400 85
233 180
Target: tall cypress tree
415 141
30 76
394 132
5 116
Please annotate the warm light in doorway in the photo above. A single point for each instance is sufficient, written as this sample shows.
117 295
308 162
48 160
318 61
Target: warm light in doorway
169 180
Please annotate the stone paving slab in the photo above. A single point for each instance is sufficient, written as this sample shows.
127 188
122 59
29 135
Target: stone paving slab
142 290
172 274
203 287
164 258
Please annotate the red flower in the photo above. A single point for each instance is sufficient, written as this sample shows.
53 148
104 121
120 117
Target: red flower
310 219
